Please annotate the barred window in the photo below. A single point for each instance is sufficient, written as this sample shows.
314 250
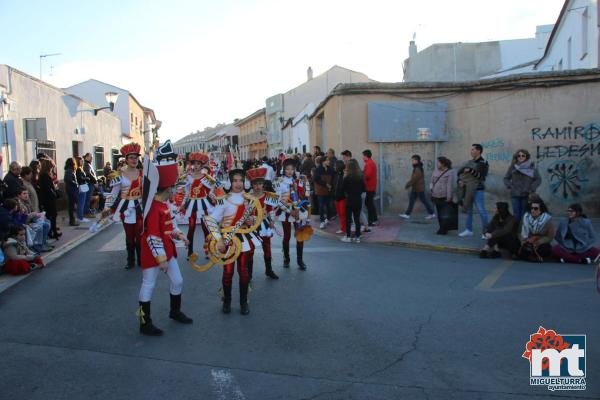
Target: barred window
48 147
99 159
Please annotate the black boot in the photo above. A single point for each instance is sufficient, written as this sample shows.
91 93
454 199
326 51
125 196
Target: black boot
286 255
138 254
130 256
299 251
250 267
244 309
269 269
226 299
146 326
176 313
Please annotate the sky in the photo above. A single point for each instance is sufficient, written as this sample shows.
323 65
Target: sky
200 63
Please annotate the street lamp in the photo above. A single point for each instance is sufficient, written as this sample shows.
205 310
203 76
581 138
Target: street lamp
111 99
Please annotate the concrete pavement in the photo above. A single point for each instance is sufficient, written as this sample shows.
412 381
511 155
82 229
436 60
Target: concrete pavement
364 322
418 232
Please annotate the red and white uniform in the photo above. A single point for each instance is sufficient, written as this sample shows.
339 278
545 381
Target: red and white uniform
285 188
157 239
197 192
229 213
126 198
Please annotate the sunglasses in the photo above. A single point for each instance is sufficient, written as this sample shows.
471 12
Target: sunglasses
535 208
521 156
570 211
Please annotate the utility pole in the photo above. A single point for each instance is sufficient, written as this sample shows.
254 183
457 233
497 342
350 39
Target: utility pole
44 56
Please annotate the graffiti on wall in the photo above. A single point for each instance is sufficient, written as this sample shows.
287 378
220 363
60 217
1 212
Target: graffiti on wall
567 174
588 135
495 150
568 179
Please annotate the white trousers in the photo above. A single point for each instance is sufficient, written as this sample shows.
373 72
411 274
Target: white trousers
149 276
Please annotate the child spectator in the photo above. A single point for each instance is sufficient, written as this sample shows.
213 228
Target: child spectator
19 259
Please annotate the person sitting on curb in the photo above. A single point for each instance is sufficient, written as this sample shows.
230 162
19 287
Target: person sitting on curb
576 238
19 259
501 232
537 232
416 184
36 221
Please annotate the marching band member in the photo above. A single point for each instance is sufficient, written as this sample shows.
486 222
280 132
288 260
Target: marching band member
293 192
197 191
268 201
126 195
158 246
233 212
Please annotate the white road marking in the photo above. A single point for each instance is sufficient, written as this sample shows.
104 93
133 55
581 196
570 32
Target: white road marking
224 385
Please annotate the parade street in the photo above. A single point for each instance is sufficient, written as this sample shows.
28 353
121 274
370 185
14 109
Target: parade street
364 321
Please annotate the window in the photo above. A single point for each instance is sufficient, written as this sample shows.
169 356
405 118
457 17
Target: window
115 158
99 159
47 147
132 118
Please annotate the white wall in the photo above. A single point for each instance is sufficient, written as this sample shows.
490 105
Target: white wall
64 113
315 90
94 92
571 26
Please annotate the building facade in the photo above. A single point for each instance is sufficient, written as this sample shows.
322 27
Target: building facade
127 108
553 115
286 106
36 117
573 42
458 62
253 135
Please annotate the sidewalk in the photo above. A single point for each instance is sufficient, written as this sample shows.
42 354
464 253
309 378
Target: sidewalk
417 232
72 237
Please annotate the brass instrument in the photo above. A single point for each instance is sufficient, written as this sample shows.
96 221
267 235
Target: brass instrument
232 242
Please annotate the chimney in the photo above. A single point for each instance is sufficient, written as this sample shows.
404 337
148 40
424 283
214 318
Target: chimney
412 49
309 74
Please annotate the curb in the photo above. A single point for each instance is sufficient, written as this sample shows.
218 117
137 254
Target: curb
55 254
411 245
11 281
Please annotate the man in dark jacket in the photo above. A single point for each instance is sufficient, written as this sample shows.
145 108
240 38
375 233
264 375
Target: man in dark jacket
480 172
416 184
90 174
13 181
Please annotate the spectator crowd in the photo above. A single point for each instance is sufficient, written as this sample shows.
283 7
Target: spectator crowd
530 232
28 212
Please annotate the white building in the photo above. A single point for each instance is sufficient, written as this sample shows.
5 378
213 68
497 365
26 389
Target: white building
127 108
36 117
573 42
300 130
282 107
456 62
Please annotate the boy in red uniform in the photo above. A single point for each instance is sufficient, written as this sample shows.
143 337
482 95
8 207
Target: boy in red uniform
158 246
268 201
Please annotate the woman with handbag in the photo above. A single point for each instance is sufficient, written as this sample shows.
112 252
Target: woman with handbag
48 195
537 232
442 193
72 189
83 188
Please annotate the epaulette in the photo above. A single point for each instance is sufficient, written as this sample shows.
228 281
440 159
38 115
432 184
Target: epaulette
218 195
114 178
271 199
208 181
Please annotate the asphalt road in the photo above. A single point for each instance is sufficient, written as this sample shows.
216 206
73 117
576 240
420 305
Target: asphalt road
364 322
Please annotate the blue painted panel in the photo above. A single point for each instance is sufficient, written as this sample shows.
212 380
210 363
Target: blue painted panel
407 121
